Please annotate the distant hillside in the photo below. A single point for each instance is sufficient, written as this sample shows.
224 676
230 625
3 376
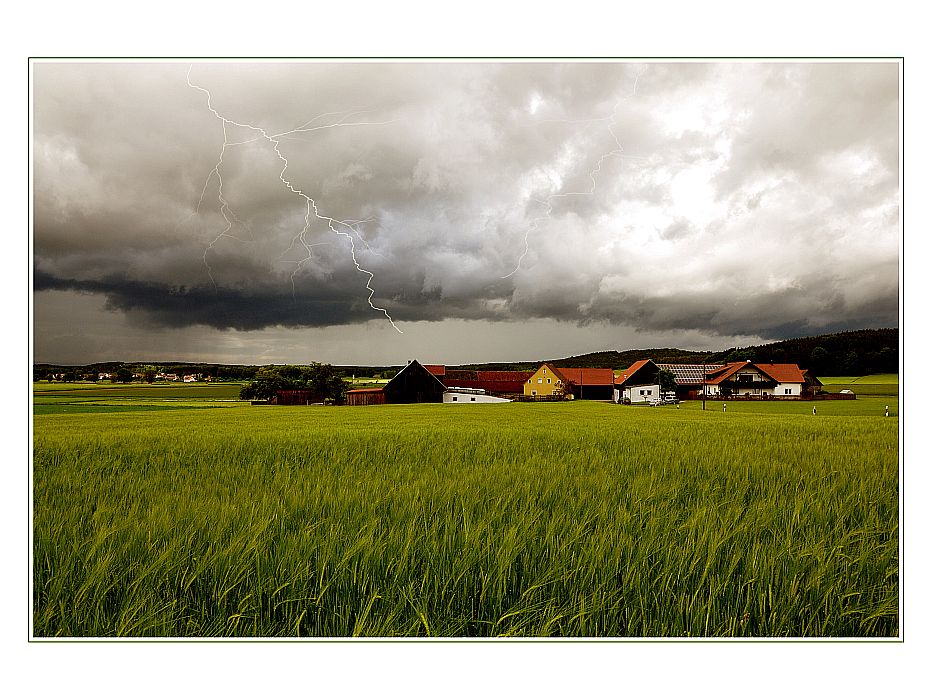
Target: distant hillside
852 353
610 359
848 353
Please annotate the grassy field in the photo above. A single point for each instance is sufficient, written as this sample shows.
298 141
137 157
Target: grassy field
873 385
570 519
870 379
61 398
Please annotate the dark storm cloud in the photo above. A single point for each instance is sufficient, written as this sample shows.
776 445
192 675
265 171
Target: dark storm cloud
748 199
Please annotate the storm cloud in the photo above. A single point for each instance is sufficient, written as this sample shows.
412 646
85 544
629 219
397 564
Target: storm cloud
732 199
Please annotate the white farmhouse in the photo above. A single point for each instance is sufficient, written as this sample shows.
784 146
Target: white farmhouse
759 379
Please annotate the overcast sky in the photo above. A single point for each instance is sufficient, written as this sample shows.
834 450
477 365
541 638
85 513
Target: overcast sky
495 211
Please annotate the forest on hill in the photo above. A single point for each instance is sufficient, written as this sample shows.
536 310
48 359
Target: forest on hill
852 353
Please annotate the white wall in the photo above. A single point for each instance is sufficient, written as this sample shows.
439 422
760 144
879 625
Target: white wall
777 391
642 394
458 397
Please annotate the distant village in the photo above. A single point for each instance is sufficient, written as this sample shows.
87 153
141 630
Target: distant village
644 382
137 376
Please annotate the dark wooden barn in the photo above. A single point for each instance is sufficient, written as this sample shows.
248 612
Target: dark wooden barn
414 384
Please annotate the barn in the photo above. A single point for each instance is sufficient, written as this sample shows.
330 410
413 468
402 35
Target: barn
639 383
366 396
588 384
414 384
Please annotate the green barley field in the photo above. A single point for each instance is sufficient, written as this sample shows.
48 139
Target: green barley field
192 516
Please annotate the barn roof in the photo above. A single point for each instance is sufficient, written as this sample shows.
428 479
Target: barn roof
586 377
436 369
627 373
503 375
413 365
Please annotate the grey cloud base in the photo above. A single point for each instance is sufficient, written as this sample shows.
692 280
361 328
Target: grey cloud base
731 198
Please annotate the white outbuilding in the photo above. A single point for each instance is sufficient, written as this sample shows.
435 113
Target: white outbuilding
471 395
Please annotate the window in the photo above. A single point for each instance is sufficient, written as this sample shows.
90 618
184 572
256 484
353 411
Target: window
454 399
473 398
549 381
534 393
544 371
540 380
786 391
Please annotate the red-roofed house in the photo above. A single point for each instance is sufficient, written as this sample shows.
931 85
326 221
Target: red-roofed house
759 379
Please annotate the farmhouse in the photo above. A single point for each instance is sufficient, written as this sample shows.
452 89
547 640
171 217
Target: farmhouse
758 379
640 382
546 381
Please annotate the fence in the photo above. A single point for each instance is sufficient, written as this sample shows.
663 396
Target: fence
522 398
815 396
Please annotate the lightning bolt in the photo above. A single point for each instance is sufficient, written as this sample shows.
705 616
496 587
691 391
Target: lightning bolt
593 174
311 207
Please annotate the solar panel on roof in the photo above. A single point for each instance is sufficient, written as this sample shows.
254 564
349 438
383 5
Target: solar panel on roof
689 373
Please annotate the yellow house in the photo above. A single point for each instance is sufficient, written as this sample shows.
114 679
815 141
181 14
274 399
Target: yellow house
546 381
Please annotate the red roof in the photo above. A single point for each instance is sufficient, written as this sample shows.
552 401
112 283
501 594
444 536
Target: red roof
503 375
782 373
436 369
586 377
715 377
631 370
366 390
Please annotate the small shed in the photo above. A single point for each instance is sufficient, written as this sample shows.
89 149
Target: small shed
460 395
366 396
